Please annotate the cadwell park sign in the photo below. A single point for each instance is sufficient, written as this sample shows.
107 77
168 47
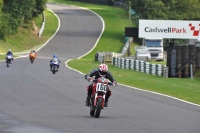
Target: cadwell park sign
180 29
179 57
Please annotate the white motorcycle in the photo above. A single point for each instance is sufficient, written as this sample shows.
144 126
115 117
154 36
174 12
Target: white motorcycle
55 64
9 58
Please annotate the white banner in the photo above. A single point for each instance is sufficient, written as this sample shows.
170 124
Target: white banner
182 29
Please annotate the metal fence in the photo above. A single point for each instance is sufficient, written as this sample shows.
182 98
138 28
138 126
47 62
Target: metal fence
43 24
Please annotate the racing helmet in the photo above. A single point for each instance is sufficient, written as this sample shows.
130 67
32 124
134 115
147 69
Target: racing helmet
55 56
9 50
103 69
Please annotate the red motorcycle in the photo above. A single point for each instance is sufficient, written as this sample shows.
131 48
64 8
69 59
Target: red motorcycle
97 99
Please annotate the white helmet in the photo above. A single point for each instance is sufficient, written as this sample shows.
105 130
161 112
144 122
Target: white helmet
103 69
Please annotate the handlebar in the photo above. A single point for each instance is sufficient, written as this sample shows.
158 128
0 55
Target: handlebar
109 83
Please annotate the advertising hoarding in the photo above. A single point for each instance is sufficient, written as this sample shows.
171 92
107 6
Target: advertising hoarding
181 29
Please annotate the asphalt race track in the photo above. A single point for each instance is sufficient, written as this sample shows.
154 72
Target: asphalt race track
33 100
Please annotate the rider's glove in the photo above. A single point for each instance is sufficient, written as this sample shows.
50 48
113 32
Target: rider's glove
89 79
114 83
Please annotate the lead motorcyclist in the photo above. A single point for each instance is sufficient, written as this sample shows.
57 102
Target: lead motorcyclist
101 71
32 51
10 52
51 61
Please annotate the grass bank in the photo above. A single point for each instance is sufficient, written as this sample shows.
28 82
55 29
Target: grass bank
112 40
27 39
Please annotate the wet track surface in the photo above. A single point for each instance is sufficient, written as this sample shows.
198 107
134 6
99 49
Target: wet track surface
33 100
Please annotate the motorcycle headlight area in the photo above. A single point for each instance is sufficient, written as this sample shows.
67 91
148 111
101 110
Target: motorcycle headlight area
9 56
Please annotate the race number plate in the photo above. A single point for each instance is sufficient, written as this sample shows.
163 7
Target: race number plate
101 87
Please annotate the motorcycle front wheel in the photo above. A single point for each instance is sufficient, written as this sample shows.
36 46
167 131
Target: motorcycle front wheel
54 71
32 59
98 108
8 63
92 108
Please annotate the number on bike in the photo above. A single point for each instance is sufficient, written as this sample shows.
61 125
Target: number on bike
101 87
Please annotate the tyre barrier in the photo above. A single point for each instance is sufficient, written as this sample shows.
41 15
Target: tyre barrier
141 66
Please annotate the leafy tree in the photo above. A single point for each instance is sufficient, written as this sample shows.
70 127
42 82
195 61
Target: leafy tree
1 4
28 8
155 10
15 9
39 7
15 13
2 22
20 12
183 9
3 26
167 9
150 9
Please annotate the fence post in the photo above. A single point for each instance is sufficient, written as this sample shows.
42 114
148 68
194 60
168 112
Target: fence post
191 72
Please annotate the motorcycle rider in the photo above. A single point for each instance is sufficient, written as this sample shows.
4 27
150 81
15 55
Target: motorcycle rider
102 70
33 51
51 61
10 52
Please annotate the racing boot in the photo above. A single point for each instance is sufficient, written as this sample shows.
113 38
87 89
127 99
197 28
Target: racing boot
106 103
57 68
87 102
107 97
11 61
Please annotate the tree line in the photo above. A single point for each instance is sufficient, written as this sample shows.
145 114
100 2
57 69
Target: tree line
159 9
18 13
166 9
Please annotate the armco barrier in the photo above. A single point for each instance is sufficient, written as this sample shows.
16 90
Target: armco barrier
106 57
141 66
42 27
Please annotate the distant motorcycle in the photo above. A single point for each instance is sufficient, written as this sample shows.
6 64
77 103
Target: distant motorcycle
55 64
9 58
97 99
32 56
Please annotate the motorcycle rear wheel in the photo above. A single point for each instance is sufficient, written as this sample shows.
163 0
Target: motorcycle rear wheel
98 108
